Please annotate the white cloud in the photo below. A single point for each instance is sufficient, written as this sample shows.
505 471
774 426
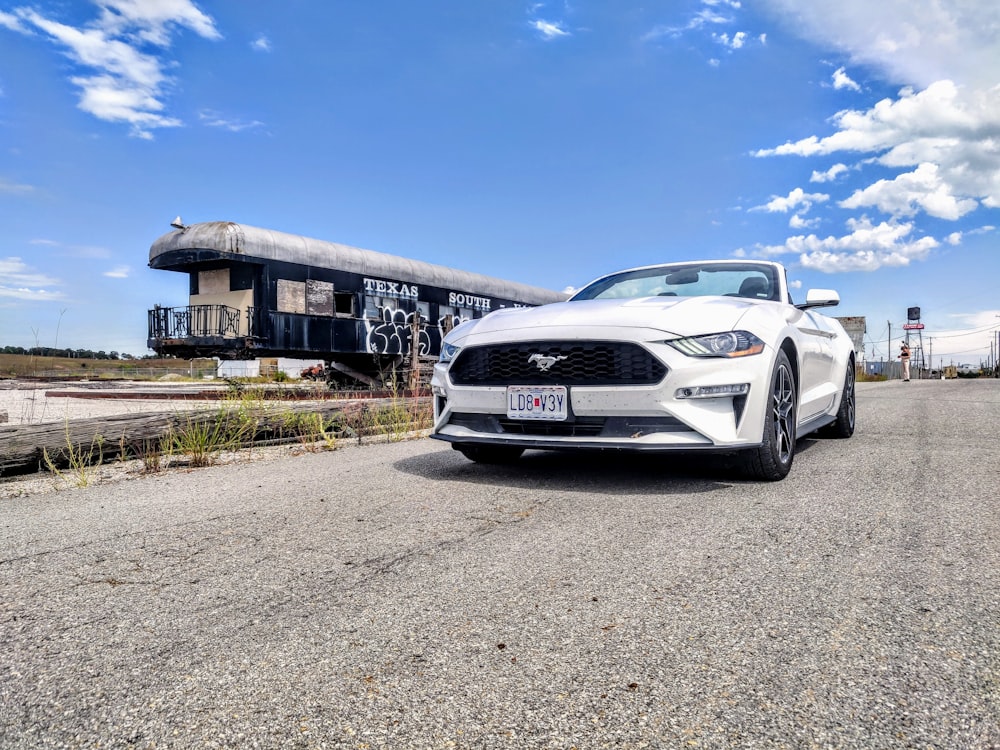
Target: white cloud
14 188
929 114
713 14
941 141
938 138
843 81
706 17
829 175
904 195
216 120
128 84
914 43
798 198
798 222
12 22
953 131
150 20
261 44
866 247
20 281
549 29
118 272
735 42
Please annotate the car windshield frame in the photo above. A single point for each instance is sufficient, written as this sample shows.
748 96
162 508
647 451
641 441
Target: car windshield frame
687 280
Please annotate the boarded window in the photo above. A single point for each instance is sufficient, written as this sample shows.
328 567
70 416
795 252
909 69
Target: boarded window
213 282
319 297
291 296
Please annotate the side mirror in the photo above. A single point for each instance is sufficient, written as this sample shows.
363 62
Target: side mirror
820 298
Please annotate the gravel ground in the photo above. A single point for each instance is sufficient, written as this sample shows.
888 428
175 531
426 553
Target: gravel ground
399 596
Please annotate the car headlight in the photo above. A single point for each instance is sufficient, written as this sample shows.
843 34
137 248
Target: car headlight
448 352
729 344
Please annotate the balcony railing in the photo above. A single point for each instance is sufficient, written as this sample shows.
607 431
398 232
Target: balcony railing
196 321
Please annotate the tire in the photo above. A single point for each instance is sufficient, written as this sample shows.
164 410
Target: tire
490 454
772 459
843 425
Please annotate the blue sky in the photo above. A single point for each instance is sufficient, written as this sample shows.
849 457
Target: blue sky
547 143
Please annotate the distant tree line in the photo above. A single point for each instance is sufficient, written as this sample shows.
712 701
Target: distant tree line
47 351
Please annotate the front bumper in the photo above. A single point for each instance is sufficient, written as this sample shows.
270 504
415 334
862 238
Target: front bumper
634 418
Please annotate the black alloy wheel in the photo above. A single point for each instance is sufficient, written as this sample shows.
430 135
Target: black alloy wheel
843 425
772 459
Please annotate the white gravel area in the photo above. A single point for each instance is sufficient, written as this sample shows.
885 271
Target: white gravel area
33 403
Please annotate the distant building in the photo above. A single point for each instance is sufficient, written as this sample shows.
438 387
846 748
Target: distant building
856 328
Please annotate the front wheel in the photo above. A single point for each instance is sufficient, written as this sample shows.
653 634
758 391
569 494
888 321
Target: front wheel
490 454
772 459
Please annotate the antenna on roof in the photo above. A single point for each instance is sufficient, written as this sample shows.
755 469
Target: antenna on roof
178 224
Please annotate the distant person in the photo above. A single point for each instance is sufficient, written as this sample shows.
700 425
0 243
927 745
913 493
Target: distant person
904 358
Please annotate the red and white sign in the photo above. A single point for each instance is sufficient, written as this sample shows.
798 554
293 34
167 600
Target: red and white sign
913 326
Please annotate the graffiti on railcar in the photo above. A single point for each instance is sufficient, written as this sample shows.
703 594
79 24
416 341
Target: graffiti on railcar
389 333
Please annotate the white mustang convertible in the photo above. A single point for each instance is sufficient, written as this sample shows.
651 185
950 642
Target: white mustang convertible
709 355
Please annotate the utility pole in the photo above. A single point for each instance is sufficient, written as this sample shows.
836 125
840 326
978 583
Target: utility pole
888 347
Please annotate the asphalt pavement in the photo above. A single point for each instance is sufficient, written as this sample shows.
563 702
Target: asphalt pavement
399 596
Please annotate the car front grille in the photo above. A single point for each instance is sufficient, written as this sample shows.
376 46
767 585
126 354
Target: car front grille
580 427
564 362
608 427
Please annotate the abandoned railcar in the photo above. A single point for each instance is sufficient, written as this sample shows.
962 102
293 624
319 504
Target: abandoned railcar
261 293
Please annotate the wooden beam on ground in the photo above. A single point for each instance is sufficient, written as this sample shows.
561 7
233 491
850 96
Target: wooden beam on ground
25 449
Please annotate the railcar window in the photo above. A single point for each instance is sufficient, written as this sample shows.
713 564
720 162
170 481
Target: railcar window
375 306
344 304
446 317
424 308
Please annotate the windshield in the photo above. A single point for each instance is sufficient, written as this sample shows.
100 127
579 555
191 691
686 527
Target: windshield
749 280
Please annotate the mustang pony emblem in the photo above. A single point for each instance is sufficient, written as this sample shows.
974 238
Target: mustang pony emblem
544 361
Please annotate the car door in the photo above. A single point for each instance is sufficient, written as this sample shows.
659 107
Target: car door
818 386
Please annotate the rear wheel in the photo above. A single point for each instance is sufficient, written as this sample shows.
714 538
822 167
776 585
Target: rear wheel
773 458
843 426
490 454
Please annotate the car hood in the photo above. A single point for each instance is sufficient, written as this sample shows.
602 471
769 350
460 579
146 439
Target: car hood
682 316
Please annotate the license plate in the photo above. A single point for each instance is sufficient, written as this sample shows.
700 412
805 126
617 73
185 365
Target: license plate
537 402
